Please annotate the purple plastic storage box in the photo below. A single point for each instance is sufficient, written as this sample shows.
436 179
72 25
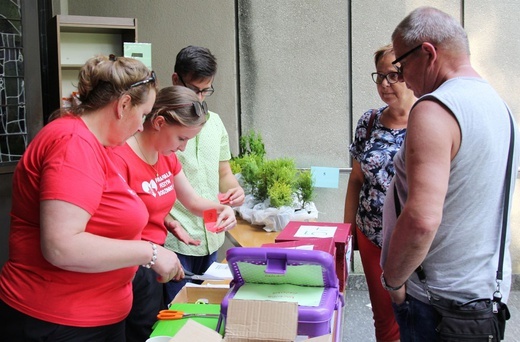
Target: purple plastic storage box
303 270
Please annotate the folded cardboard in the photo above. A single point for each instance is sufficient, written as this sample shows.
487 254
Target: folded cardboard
269 320
251 321
340 232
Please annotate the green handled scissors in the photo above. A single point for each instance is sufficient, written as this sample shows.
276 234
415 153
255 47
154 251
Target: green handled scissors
175 314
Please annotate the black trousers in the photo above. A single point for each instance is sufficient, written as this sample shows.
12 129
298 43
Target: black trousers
16 326
148 301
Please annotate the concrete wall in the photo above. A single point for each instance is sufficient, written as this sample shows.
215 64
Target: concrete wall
298 71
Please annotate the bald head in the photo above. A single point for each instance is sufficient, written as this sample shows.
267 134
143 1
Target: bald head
428 24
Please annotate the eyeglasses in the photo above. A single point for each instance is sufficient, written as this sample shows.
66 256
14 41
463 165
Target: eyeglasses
399 68
391 77
201 108
152 78
205 92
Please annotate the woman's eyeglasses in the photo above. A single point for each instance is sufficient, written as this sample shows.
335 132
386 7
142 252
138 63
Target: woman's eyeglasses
391 77
152 78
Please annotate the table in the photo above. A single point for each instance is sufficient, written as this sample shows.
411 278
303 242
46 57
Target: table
247 235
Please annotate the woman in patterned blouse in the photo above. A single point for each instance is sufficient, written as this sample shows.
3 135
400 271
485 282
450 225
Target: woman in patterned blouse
378 136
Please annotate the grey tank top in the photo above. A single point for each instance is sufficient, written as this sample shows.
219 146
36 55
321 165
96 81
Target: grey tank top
462 260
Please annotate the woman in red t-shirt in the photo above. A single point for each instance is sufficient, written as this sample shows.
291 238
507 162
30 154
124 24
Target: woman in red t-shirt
151 168
75 236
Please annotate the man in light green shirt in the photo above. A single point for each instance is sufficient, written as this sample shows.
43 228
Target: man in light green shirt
205 162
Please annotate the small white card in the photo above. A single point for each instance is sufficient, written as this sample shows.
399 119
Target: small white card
219 270
315 232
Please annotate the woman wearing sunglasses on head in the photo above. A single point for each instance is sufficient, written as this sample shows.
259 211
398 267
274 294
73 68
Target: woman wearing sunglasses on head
75 236
149 164
378 136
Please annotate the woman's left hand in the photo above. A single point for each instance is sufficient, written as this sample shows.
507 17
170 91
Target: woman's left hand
180 233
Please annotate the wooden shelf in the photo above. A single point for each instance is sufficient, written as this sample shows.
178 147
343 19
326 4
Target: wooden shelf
76 22
75 39
71 66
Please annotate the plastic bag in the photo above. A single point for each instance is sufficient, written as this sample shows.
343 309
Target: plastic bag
275 219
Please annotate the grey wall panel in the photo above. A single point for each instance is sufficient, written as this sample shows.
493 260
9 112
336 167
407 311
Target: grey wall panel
492 28
293 78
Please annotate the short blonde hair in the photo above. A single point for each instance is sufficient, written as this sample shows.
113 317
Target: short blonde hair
382 51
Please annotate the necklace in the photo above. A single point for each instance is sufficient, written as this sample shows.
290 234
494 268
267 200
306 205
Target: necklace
144 156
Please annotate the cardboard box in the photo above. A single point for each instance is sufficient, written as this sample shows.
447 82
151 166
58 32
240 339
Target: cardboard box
192 293
251 321
185 301
340 232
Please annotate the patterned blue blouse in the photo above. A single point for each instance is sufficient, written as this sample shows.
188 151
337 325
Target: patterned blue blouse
375 155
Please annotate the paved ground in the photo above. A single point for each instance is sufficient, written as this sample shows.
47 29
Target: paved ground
358 325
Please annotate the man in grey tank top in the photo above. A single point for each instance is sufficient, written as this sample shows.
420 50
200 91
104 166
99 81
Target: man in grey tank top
449 177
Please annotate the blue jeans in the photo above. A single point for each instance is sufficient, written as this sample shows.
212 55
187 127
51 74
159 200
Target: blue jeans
195 264
417 320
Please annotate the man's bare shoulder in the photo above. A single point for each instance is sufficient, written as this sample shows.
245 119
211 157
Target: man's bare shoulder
433 123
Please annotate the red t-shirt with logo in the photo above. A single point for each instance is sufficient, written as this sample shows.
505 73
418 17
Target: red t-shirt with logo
157 192
66 162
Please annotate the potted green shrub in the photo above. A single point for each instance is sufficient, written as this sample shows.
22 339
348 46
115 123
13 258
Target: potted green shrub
273 186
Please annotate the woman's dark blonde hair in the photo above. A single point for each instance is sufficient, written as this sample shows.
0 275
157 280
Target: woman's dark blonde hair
382 51
176 104
103 79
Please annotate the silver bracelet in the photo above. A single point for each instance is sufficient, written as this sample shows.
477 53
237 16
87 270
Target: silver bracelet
154 255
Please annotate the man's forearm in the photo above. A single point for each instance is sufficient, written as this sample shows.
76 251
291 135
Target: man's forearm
408 247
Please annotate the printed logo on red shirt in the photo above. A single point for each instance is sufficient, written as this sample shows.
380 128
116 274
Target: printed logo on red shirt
150 188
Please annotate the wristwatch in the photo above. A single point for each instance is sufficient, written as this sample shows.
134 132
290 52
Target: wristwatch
386 286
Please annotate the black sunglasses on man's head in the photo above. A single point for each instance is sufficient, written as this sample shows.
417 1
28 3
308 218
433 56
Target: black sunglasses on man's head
406 54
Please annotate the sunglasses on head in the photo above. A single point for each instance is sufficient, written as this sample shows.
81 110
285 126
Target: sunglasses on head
152 78
201 108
